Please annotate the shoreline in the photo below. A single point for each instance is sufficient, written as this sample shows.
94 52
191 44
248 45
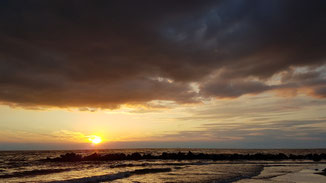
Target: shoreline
74 157
298 173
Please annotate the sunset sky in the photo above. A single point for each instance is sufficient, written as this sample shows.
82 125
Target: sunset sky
163 73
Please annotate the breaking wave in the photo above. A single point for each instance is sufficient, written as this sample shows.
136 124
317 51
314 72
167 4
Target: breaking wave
111 177
157 164
34 173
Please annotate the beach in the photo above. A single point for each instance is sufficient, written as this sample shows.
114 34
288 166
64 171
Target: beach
289 173
48 166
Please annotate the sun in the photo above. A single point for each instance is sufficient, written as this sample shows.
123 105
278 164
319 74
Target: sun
95 139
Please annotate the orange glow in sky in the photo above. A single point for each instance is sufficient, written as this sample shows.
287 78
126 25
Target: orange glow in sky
95 139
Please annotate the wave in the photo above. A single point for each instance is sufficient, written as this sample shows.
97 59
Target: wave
111 177
34 173
247 175
150 170
157 164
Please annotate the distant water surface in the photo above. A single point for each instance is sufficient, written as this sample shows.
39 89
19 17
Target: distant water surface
24 166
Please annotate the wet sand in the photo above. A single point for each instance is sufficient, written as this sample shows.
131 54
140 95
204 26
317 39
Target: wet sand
290 173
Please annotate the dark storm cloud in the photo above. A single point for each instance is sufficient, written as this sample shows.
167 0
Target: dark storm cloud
230 89
107 53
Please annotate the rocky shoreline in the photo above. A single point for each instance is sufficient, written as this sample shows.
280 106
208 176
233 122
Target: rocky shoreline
73 157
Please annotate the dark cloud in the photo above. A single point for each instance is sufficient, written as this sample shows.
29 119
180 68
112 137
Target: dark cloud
320 91
232 88
310 79
107 53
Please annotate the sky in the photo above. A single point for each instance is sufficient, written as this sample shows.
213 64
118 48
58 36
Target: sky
164 73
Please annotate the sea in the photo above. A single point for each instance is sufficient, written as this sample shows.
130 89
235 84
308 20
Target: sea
25 166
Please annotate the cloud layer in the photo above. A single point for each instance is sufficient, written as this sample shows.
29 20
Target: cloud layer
104 54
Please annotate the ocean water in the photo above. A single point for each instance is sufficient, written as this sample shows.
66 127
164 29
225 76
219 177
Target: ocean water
24 166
